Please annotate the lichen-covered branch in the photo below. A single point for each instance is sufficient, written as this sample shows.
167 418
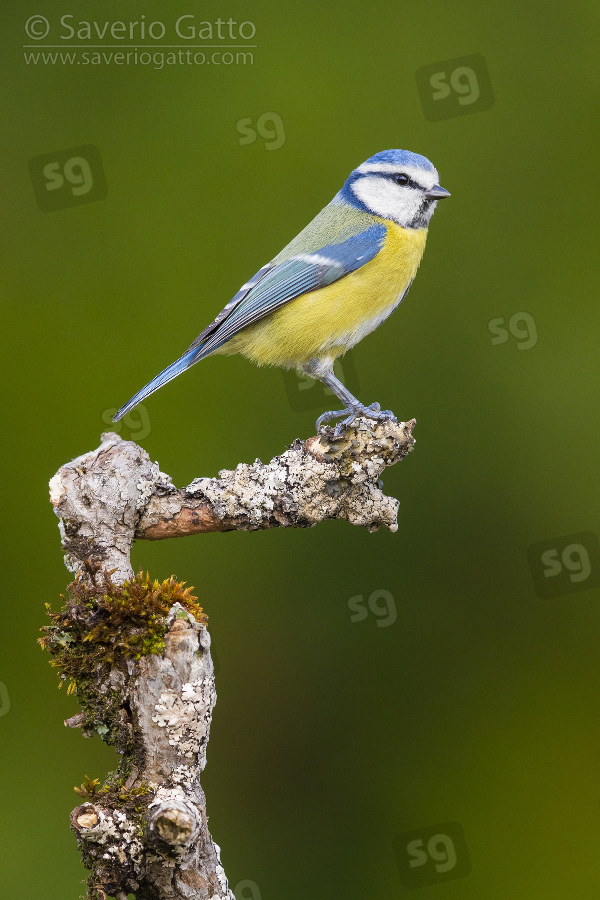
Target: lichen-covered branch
313 480
137 652
115 493
138 657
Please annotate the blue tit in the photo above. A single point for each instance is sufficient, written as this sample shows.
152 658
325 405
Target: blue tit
332 285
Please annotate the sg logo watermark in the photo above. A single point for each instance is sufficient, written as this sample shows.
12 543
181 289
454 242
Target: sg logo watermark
269 127
4 700
521 326
381 603
246 889
305 392
68 178
565 565
137 422
455 87
430 855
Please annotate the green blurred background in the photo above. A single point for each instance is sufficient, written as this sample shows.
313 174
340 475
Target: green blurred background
452 692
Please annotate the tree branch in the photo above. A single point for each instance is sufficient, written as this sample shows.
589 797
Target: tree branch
138 652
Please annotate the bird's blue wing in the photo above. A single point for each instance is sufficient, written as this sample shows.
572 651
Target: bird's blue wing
279 284
273 286
235 301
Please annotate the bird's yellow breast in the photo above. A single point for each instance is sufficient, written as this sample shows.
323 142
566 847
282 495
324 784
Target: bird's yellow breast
325 323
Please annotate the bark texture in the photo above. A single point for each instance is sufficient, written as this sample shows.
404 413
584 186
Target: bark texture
159 846
145 831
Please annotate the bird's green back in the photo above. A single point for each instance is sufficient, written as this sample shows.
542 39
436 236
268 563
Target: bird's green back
334 224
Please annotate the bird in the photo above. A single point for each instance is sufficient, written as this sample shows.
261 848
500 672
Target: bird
333 284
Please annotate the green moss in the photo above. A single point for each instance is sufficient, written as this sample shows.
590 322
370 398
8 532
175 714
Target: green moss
113 795
101 628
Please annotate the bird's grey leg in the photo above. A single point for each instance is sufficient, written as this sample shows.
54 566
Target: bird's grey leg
352 405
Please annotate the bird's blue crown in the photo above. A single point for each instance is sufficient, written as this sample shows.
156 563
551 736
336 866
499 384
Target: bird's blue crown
401 158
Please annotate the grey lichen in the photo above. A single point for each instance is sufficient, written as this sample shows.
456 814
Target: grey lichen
310 482
145 830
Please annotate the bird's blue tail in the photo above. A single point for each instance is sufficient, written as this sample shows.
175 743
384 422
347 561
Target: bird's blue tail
176 368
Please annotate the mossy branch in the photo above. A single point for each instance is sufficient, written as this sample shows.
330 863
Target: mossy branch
136 651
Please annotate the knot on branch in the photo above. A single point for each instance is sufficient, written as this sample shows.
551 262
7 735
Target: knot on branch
174 825
110 846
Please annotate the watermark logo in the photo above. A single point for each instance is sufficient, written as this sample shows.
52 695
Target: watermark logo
37 28
430 855
136 422
4 700
521 326
565 565
269 127
381 603
68 178
185 40
246 889
306 393
187 27
455 87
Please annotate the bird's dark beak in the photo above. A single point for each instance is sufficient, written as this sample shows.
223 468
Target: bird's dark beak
437 193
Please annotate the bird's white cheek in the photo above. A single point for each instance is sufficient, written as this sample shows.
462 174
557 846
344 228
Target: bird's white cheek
386 199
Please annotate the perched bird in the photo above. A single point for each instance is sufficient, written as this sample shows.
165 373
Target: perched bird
332 285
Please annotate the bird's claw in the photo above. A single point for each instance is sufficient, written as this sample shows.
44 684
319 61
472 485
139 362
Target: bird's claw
339 429
374 411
